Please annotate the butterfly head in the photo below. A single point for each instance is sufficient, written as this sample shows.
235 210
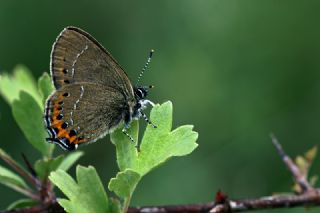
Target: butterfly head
141 92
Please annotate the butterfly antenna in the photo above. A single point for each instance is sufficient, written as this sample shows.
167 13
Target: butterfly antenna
145 66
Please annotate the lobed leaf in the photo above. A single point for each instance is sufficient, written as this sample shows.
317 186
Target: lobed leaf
157 146
45 87
29 116
69 160
21 80
84 196
43 167
124 183
27 101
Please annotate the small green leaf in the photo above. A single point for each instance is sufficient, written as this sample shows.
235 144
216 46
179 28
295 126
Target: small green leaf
157 145
311 154
84 196
302 164
29 117
69 160
43 167
45 86
11 179
22 203
124 183
21 80
313 180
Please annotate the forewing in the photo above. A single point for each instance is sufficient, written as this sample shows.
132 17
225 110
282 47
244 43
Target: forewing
77 57
83 112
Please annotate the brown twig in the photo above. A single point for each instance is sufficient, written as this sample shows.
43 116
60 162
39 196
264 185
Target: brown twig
192 208
272 202
53 207
308 197
298 176
19 169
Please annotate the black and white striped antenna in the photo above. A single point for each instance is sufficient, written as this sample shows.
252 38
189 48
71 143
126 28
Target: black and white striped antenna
145 67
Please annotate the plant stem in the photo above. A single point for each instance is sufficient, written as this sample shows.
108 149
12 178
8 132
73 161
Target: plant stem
19 169
126 204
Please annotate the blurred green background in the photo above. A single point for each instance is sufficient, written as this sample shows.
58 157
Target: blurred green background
237 70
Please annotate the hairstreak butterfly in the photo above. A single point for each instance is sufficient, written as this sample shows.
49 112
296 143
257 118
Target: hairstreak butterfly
93 93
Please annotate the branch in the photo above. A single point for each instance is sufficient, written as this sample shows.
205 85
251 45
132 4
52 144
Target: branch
308 197
298 176
173 209
311 198
53 207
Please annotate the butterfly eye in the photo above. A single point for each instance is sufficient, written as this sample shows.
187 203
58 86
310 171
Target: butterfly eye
139 93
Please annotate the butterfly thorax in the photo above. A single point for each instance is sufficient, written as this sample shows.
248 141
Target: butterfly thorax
141 103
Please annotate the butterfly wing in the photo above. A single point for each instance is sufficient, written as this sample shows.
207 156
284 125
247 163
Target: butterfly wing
78 57
93 92
83 112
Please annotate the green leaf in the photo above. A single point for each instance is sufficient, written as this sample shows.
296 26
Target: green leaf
303 164
69 160
157 145
126 151
22 203
43 167
124 183
311 154
11 179
27 102
313 180
21 80
84 196
29 117
45 86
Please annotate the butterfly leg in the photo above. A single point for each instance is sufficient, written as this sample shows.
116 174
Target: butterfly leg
124 131
147 119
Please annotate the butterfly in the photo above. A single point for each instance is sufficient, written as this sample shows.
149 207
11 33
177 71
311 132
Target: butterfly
93 94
